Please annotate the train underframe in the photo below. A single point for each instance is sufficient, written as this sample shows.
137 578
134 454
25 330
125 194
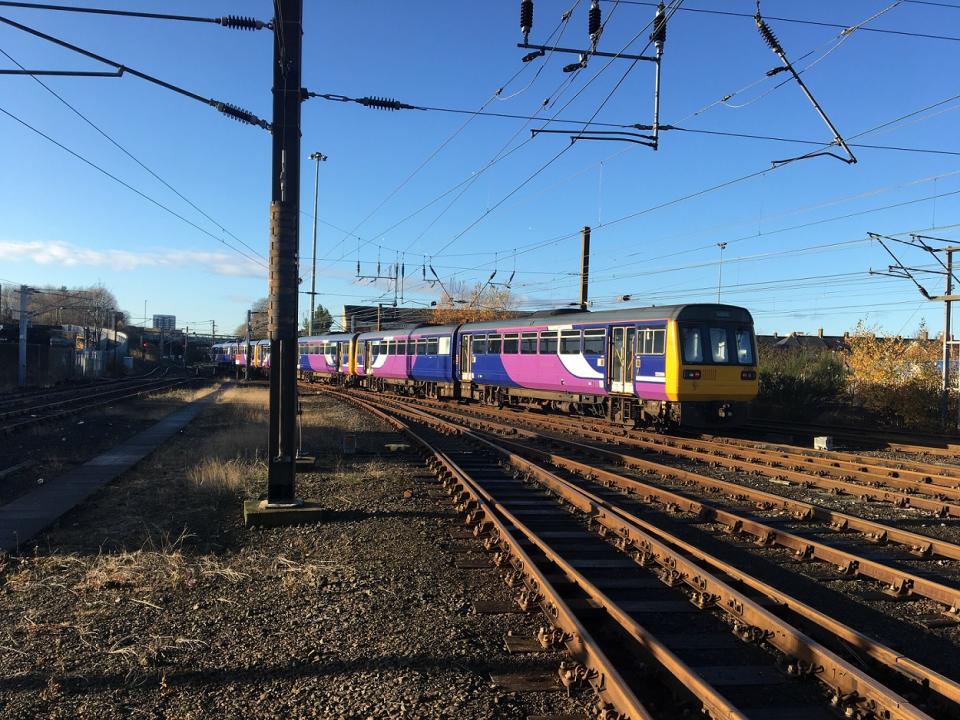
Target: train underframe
618 409
627 410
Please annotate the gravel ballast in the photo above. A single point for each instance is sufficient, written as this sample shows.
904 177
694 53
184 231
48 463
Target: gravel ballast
152 600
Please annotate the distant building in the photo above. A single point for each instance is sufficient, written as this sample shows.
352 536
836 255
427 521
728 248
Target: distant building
165 322
363 318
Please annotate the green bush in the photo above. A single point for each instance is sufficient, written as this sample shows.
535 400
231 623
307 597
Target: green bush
800 379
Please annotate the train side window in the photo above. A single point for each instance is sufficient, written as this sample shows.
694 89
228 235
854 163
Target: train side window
548 342
659 341
494 344
433 346
411 346
690 341
528 343
479 344
401 347
744 346
570 342
511 344
719 346
421 346
594 342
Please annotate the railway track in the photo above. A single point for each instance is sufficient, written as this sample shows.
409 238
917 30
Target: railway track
923 487
19 398
947 446
624 594
48 407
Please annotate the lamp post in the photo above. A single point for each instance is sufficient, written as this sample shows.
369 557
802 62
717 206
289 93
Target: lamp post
722 246
319 158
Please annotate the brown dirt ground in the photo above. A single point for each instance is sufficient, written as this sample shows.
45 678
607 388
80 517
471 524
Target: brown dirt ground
153 600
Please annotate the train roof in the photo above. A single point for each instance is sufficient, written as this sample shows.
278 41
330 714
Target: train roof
335 337
705 311
420 329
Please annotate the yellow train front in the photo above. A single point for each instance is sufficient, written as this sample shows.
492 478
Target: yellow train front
711 372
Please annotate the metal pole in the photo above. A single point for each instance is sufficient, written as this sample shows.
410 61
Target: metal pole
284 261
379 316
116 369
22 359
186 344
319 157
584 268
246 371
947 308
722 246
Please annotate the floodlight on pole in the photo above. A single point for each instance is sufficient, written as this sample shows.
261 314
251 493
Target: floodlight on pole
318 157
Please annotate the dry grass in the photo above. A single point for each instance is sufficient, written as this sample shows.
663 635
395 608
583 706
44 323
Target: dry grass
183 394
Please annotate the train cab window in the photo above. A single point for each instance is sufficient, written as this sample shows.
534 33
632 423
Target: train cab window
479 344
744 346
511 344
719 346
594 342
433 346
302 349
401 347
690 342
570 342
528 343
548 342
494 344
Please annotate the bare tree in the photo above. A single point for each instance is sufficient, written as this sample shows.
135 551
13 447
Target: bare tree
461 303
259 322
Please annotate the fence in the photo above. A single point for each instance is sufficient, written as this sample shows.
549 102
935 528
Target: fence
47 365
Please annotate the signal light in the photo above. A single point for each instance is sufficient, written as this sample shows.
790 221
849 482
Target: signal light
691 374
748 375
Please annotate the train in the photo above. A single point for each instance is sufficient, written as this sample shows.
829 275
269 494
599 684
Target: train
672 365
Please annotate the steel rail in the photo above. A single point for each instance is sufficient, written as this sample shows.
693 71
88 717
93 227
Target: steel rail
606 681
163 385
78 398
897 582
921 471
921 545
850 686
763 462
10 407
949 446
772 464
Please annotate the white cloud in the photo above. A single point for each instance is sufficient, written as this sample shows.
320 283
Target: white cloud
55 252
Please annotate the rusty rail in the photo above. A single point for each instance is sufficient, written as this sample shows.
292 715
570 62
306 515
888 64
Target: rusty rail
852 689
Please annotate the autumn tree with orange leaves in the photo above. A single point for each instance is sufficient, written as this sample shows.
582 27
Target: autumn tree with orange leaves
897 378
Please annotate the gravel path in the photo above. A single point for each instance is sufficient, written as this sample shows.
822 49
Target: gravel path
152 600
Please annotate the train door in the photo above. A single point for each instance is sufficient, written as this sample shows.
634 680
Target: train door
466 358
622 341
367 357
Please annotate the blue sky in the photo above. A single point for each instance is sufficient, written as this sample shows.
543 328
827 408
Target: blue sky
797 256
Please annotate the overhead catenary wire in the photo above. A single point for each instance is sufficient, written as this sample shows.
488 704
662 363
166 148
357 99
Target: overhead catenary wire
800 21
130 187
234 22
436 151
126 152
228 109
553 159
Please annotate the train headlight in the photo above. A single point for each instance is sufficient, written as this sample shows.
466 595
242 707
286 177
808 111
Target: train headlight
748 375
691 374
